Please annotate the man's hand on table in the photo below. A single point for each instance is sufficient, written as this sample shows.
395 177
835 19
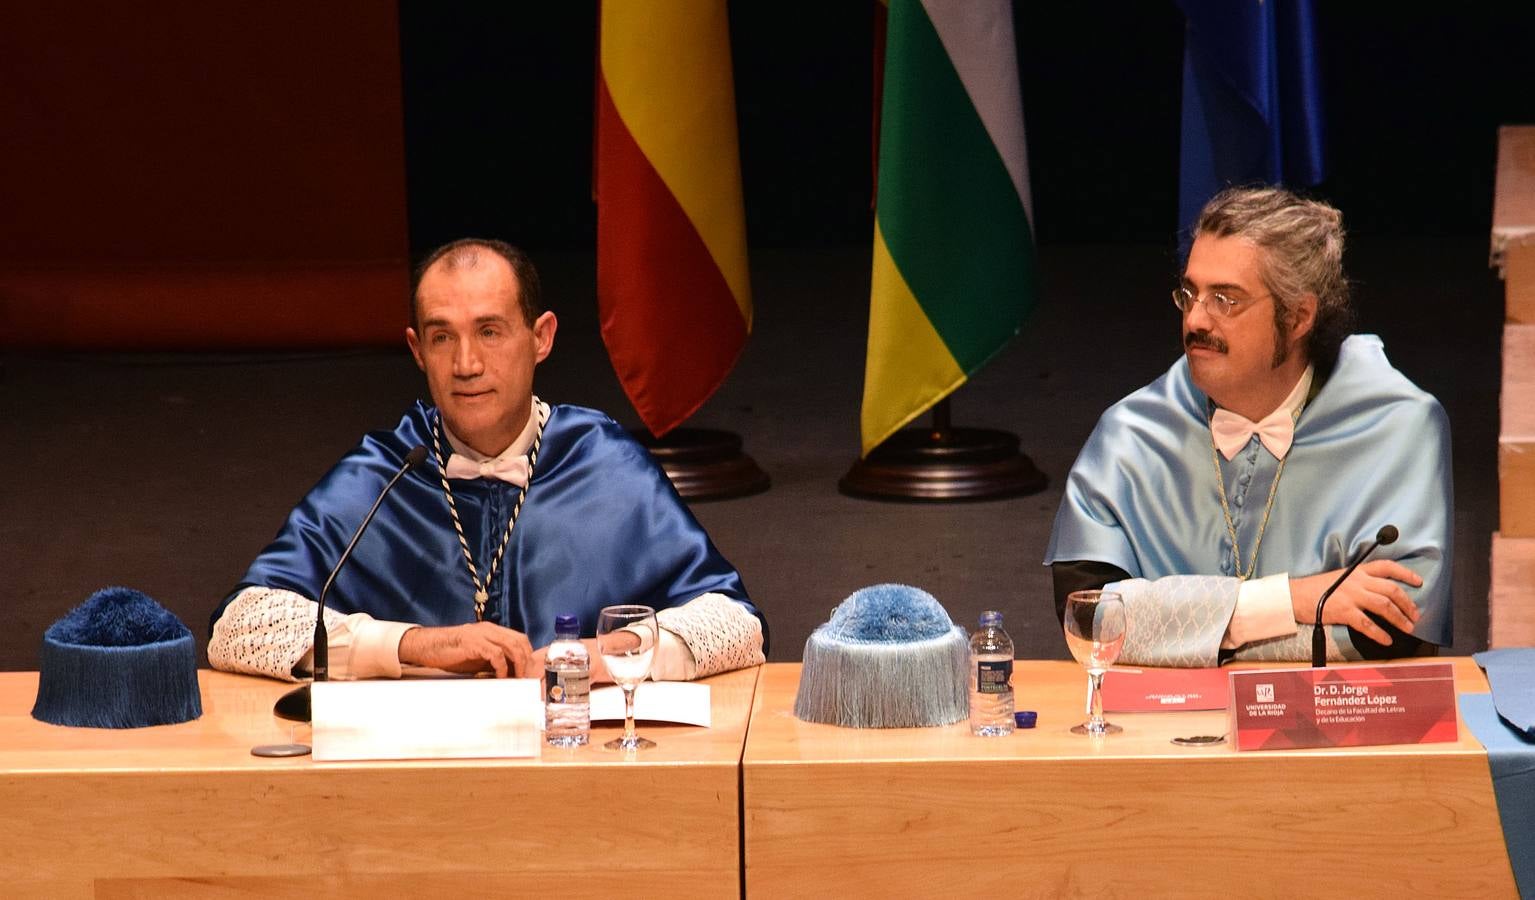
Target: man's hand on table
599 665
476 647
1375 587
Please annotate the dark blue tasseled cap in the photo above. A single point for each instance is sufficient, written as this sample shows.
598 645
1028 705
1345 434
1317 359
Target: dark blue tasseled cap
118 660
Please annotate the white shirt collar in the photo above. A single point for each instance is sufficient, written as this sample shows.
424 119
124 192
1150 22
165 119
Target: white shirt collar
1230 432
1291 403
519 447
1298 395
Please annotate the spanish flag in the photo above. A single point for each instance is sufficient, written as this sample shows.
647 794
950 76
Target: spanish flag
672 286
954 268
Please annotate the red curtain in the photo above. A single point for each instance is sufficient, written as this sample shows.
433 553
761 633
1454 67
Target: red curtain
190 175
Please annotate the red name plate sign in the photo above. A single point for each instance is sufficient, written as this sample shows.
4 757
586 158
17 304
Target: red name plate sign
1352 706
1164 690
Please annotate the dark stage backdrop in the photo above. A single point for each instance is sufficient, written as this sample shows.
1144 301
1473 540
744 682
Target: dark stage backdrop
498 117
192 175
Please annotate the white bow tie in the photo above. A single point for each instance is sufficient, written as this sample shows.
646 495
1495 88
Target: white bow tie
1232 432
513 470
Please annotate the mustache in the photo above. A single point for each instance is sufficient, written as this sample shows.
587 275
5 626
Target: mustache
1205 340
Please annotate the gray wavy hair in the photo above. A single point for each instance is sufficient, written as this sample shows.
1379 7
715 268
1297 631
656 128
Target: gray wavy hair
1302 244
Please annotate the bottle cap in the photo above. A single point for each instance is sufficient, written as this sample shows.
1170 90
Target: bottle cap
1025 718
990 617
564 625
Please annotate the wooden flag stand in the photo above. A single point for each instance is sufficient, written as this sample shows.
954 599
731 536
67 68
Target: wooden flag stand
705 463
944 464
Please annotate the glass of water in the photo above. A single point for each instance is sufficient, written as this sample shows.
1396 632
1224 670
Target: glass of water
626 638
1095 632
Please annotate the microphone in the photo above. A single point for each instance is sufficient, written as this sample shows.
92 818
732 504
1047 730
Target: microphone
1386 535
294 705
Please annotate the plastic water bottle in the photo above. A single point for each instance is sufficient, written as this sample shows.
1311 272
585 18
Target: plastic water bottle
567 686
991 678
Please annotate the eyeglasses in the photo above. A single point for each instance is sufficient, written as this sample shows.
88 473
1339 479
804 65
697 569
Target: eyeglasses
1216 303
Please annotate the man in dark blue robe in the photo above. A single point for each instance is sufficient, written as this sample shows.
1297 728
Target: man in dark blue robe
522 511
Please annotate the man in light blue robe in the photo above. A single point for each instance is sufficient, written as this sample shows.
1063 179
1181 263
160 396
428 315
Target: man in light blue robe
1222 499
522 511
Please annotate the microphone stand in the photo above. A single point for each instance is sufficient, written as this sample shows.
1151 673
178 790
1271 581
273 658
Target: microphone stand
1386 535
295 705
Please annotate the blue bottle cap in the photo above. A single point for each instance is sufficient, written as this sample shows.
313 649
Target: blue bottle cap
990 617
1025 718
564 625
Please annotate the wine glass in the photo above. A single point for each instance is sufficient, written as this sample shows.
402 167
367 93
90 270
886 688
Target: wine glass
626 638
1095 632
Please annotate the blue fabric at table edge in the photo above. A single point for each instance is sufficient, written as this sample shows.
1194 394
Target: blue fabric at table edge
1511 760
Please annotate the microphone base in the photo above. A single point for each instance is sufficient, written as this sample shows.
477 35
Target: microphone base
280 751
294 705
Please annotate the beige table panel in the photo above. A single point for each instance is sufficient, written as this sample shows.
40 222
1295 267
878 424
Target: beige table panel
1516 434
1510 601
185 810
1513 220
886 812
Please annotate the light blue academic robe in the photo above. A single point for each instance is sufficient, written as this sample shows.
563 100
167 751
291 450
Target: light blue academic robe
1370 449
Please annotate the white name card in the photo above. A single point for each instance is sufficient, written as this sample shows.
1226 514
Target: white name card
451 718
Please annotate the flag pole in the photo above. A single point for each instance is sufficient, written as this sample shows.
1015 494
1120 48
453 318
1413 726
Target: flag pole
944 463
941 423
705 463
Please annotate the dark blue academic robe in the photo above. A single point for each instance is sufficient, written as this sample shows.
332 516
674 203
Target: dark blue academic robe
601 525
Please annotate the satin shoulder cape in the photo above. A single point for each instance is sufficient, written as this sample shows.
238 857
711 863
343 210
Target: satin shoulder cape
1370 449
601 525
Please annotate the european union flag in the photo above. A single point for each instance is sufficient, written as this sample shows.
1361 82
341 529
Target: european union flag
1252 99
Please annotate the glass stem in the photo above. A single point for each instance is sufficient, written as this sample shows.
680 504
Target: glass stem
1095 701
628 689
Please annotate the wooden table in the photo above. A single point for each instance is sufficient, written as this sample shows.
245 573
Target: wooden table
837 812
185 810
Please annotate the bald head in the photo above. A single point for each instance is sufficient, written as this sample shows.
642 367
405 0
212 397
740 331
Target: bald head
468 254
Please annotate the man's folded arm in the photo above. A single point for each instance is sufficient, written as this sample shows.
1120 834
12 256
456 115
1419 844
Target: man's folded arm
1198 620
1184 620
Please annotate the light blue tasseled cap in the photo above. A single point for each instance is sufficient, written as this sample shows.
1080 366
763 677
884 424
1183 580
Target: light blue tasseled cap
118 660
890 657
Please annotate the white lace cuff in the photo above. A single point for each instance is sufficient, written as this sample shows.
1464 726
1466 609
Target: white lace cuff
718 635
270 631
